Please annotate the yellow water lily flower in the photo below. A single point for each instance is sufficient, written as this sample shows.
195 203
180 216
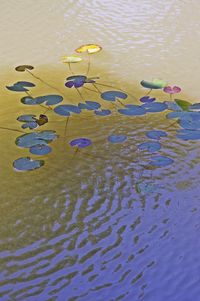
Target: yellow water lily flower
71 59
89 48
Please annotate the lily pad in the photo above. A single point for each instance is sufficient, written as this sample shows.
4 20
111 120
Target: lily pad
23 68
102 112
173 106
27 164
195 107
71 59
27 100
117 138
155 134
154 107
89 48
113 95
40 149
20 86
147 99
76 81
35 138
155 84
81 142
89 105
161 161
26 118
49 100
64 110
30 125
186 134
150 146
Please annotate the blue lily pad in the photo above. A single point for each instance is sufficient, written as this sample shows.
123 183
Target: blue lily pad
195 107
27 164
40 149
132 110
190 124
155 134
47 99
160 161
89 105
26 118
173 106
64 110
102 112
27 100
147 99
113 95
154 107
30 125
76 81
150 146
144 188
81 142
117 138
20 86
31 139
186 134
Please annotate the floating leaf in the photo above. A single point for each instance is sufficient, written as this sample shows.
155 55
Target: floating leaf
150 146
27 100
132 110
76 81
117 138
154 107
145 188
89 105
155 134
81 142
89 48
30 125
160 161
190 124
27 164
20 86
64 110
172 90
23 68
26 118
40 149
172 105
102 112
195 107
113 95
71 59
155 84
147 99
183 104
35 138
186 134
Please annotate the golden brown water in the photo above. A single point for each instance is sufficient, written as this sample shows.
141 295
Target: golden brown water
77 229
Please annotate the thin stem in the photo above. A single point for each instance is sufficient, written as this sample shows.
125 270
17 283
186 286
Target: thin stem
88 68
91 90
44 82
70 68
65 132
9 129
148 92
96 88
81 96
170 97
75 153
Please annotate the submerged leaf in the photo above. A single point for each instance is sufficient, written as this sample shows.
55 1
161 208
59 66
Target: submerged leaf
155 134
186 134
27 164
132 110
103 112
150 146
117 138
160 161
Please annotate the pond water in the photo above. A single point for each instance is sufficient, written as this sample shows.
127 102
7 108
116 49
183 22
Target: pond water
100 223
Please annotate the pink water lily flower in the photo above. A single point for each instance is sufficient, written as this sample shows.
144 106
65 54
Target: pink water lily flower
172 90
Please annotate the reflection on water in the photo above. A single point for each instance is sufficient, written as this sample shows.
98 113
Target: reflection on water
78 230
